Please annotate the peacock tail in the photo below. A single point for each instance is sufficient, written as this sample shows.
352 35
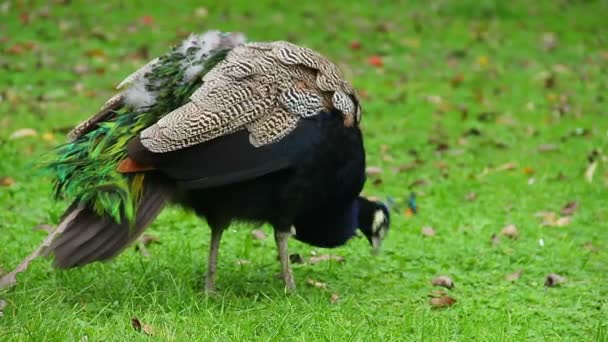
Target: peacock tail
85 169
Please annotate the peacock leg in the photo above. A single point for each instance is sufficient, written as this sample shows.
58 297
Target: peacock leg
216 236
281 238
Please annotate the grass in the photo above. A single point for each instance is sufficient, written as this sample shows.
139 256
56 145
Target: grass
449 67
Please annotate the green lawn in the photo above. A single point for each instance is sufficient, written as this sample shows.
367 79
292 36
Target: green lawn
506 101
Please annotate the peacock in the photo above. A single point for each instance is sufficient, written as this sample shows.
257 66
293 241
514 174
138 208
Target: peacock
234 130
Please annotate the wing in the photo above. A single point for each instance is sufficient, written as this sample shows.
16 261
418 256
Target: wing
230 158
264 88
140 93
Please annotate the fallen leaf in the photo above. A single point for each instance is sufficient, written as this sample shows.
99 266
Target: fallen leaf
418 182
407 167
442 302
136 324
590 171
528 170
551 219
428 231
569 209
201 12
588 246
457 80
148 239
506 167
242 262
547 148
549 41
325 257
148 330
510 231
408 212
550 81
375 61
258 234
554 279
471 196
146 20
48 137
334 298
514 276
563 221
6 181
444 281
22 133
95 53
296 258
45 226
355 45
315 283
373 171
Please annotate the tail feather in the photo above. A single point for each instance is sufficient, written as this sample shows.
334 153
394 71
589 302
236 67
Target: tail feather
91 237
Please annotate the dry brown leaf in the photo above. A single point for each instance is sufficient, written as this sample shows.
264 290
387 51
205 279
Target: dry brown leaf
442 302
471 196
201 12
428 231
23 133
6 181
549 41
588 246
373 171
510 231
45 226
135 323
590 171
514 276
147 329
563 221
506 167
407 167
315 283
569 209
551 219
242 262
148 239
444 281
48 137
528 170
418 182
554 279
325 257
547 148
258 234
334 298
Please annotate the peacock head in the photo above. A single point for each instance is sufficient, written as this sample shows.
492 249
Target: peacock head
374 221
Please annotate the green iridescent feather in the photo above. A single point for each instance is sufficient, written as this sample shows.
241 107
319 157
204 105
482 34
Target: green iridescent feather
85 169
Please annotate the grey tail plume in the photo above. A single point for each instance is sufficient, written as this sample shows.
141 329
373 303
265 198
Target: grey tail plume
90 237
